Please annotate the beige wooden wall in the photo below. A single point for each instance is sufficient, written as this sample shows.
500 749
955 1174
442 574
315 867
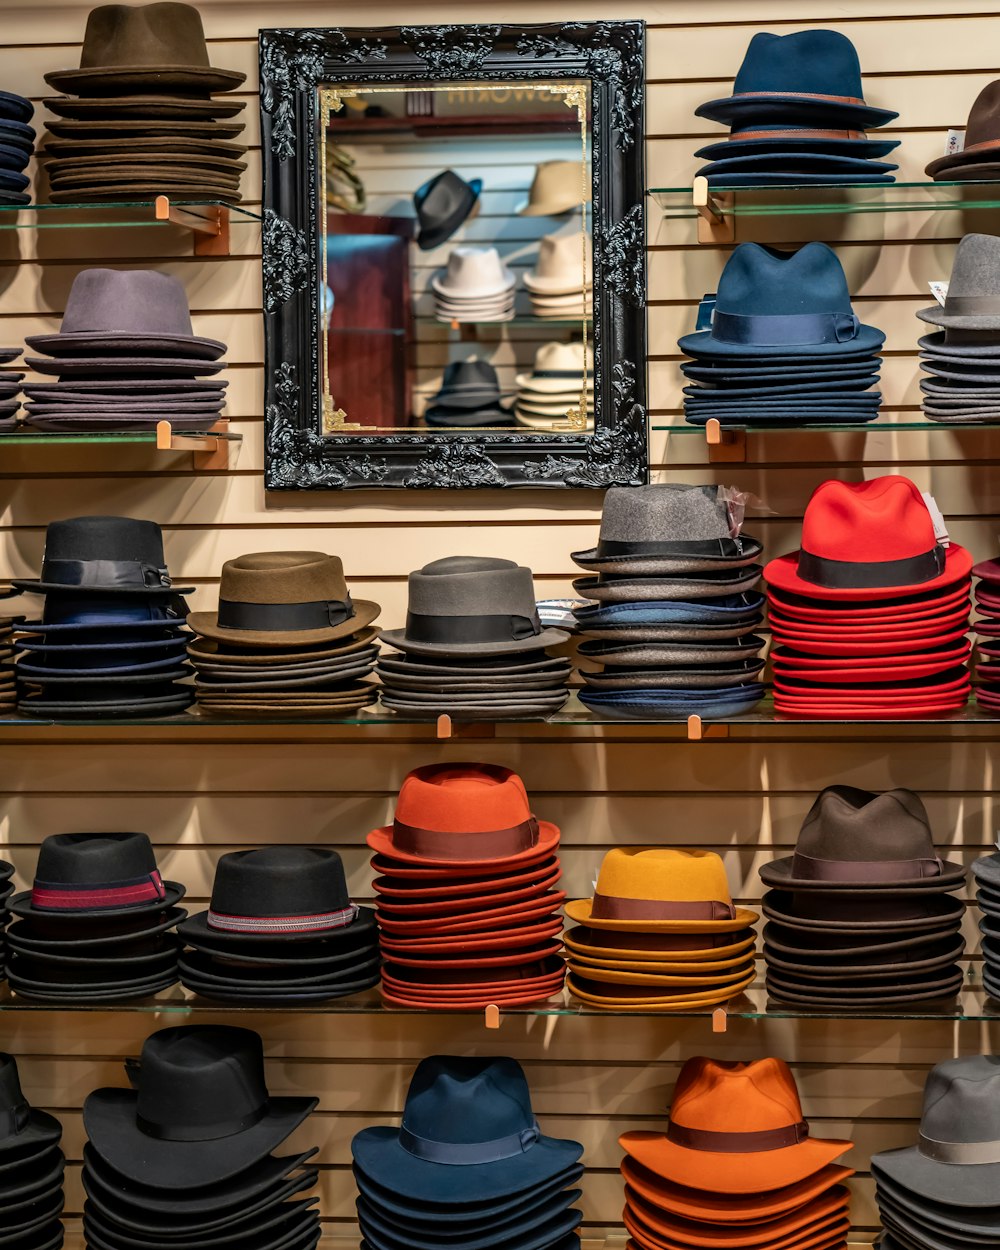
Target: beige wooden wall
204 792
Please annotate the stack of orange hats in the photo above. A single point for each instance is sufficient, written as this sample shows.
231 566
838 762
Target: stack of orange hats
736 1167
660 933
467 906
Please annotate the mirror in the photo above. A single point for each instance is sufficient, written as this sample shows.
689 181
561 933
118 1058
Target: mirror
454 256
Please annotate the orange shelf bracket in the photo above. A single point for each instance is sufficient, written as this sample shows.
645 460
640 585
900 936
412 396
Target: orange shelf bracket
725 445
207 452
492 1016
208 223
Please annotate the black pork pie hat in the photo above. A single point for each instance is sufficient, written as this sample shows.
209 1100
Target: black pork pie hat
23 1129
199 1112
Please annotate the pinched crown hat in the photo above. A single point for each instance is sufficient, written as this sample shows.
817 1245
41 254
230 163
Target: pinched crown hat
23 1129
558 187
474 273
868 540
559 368
973 299
661 890
853 839
667 528
982 135
442 204
735 1128
464 814
563 265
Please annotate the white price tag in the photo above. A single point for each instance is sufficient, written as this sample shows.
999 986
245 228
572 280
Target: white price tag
940 291
940 528
955 142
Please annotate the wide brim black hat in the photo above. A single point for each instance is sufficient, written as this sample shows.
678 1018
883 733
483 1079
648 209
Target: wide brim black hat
966 1220
879 967
780 873
967 1185
196 929
41 1131
855 1000
37 587
433 236
67 934
339 984
21 905
271 1228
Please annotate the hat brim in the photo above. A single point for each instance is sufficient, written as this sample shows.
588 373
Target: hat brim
940 316
794 108
692 978
779 874
629 589
547 638
701 344
152 77
21 905
783 574
513 935
380 840
580 911
657 951
666 565
588 965
951 1215
207 625
630 999
951 910
41 1131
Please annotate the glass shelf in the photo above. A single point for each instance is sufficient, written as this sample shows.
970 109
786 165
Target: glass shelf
21 438
112 215
815 200
828 427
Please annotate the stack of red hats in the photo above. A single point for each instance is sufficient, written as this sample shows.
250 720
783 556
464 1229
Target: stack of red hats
467 906
869 618
988 628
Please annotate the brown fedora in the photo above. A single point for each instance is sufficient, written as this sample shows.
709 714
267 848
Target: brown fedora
982 140
128 48
283 598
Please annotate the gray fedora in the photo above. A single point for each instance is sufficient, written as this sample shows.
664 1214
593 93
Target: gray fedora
472 605
626 588
973 299
660 655
666 528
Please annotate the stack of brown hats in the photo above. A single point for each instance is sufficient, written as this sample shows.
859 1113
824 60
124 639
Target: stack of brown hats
31 1168
10 384
142 120
467 909
737 1167
860 915
287 640
660 934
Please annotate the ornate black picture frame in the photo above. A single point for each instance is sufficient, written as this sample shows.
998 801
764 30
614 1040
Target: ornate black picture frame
292 65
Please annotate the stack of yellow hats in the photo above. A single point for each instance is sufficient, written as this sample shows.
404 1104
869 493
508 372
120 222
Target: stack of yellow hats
661 932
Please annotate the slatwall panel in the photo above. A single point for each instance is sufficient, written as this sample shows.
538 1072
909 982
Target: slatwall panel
223 788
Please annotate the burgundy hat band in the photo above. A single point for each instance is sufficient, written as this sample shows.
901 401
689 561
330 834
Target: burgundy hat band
802 95
62 896
490 844
806 868
737 1143
306 923
871 574
607 907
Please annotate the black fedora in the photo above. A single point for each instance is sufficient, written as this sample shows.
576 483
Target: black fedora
442 204
199 1112
24 1131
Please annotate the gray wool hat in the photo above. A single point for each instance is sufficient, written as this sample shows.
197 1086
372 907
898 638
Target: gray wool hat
706 677
667 528
472 605
626 588
973 299
661 655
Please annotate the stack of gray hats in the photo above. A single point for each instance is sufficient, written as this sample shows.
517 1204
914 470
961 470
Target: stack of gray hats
986 872
10 388
473 646
962 357
675 605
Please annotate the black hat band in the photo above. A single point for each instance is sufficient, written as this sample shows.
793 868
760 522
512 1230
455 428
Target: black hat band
282 618
468 629
806 868
729 548
105 573
871 574
186 1131
789 328
462 1154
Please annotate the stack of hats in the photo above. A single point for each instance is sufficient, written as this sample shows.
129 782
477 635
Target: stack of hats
674 615
986 872
869 618
468 911
473 646
442 205
468 1167
125 358
941 1194
110 642
736 1166
784 346
469 398
797 117
987 596
860 915
660 934
17 141
963 356
183 1158
287 640
141 120
10 383
562 379
8 677
31 1168
281 927
557 188
978 160
6 890
475 286
562 282
95 926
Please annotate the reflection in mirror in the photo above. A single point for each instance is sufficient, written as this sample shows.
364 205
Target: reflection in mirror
456 288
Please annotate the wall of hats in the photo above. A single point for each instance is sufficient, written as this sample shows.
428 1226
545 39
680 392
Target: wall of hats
248 945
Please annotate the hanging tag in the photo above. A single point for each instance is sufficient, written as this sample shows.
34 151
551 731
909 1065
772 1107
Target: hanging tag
706 311
955 142
940 528
940 291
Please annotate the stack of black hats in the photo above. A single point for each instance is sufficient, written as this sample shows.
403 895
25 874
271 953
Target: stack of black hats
8 679
281 927
798 117
674 612
110 642
95 926
473 646
469 398
986 873
783 345
6 890
17 140
144 121
125 357
861 915
468 1167
10 385
183 1158
31 1168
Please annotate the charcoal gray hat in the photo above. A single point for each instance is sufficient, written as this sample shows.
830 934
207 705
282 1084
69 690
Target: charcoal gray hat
957 1156
662 529
973 299
472 605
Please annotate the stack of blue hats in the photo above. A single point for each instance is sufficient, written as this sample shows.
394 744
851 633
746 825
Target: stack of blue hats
110 642
798 117
17 142
468 1168
782 344
675 605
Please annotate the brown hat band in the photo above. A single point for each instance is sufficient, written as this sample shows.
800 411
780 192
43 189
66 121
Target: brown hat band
806 868
959 1151
797 132
607 907
284 618
801 95
737 1143
490 844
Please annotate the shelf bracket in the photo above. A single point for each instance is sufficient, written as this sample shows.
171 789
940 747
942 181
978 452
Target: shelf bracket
208 223
492 1016
208 453
714 226
725 446
720 1020
697 730
446 728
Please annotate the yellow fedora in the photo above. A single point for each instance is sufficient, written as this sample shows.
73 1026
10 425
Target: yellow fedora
694 981
677 948
660 967
626 999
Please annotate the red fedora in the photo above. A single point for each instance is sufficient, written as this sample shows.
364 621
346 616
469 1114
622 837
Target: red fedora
454 873
510 935
860 647
507 958
544 874
471 922
874 628
868 540
461 904
889 611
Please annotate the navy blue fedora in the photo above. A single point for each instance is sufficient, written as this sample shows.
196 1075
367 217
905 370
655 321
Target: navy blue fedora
721 181
780 303
724 609
756 140
674 704
798 163
811 76
66 616
15 107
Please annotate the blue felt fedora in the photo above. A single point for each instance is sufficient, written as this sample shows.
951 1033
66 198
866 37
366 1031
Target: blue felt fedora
773 303
810 77
823 388
535 1231
768 374
674 704
755 140
725 609
70 617
468 1133
797 163
15 107
736 181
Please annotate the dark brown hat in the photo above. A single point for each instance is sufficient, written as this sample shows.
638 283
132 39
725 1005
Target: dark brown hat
982 138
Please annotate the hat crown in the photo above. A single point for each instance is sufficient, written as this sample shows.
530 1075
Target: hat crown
806 62
472 268
976 268
441 196
133 36
104 538
196 1082
735 1097
283 577
558 185
94 858
462 799
572 358
664 513
11 1096
762 281
465 1101
280 881
126 301
663 874
983 125
470 374
472 586
962 1101
563 256
880 520
852 825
